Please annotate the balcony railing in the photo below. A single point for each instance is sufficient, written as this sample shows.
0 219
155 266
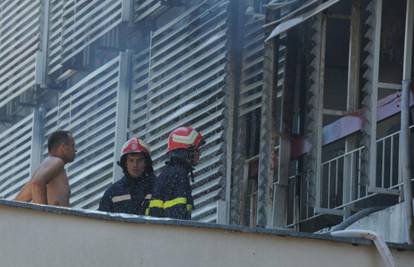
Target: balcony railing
343 184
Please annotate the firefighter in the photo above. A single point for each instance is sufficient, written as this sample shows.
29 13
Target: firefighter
131 194
171 195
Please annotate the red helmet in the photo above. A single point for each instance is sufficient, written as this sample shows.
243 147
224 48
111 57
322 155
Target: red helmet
183 138
134 145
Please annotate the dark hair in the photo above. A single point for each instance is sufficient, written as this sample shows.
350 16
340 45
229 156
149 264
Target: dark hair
57 138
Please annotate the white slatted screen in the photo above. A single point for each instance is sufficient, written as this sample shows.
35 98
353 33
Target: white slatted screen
139 94
56 8
15 157
147 8
84 21
187 76
179 80
19 42
252 65
89 110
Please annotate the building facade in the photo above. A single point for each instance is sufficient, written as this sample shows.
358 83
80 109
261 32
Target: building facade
299 101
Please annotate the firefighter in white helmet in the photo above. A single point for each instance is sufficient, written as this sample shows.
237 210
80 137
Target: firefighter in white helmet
171 194
131 194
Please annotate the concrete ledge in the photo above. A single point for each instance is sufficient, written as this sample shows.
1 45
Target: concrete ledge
128 218
50 236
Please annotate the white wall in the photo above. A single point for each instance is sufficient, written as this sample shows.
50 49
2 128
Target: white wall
32 237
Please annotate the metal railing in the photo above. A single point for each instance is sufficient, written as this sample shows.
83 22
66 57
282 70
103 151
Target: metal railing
342 181
336 188
387 163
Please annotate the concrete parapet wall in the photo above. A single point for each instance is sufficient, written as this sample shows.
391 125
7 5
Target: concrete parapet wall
33 235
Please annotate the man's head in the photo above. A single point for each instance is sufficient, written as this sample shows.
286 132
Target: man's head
135 159
61 144
136 164
185 142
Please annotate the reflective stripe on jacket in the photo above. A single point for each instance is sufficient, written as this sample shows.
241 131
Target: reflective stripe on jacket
126 196
171 194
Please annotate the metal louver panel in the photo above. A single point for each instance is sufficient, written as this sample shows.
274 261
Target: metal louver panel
187 79
148 8
55 35
19 42
139 94
85 21
89 110
15 157
252 65
281 61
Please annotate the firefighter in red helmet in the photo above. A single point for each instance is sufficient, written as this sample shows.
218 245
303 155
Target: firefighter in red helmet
131 194
171 194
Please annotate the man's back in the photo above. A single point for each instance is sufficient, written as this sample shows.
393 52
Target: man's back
51 171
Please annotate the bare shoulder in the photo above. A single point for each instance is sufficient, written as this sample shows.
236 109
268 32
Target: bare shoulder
52 164
53 161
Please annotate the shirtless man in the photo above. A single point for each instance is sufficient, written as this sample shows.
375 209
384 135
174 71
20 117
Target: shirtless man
49 184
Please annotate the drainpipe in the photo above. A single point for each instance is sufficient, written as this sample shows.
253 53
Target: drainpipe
405 124
379 242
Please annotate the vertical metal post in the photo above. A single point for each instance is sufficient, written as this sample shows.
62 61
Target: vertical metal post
405 120
149 91
264 197
314 116
231 98
354 56
352 96
37 139
281 186
404 158
42 54
244 194
373 35
122 108
284 127
238 194
374 96
127 11
319 110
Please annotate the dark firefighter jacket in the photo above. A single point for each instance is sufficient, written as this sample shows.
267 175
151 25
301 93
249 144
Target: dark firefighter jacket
126 196
171 194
